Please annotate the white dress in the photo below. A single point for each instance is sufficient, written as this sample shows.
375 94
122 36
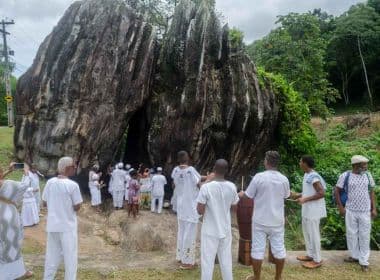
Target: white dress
29 211
93 184
11 231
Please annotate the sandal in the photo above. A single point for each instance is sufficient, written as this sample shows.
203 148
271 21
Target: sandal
188 266
312 265
304 258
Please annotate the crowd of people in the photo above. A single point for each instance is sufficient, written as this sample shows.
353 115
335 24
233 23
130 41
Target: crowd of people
210 196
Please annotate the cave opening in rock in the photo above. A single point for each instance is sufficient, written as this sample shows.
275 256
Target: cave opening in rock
135 145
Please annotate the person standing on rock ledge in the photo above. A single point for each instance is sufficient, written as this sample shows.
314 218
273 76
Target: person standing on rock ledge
186 180
63 199
268 189
215 200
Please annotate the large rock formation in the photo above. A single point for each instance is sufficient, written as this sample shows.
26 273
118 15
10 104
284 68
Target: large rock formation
210 101
90 75
102 87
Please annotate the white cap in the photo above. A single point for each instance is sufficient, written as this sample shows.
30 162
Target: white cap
128 166
120 165
359 159
159 169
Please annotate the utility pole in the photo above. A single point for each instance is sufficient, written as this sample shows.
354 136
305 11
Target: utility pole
7 73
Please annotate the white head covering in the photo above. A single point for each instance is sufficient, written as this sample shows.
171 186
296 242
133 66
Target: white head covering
159 169
120 165
128 166
359 159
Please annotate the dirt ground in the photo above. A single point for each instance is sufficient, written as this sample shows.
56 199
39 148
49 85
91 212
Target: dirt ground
115 242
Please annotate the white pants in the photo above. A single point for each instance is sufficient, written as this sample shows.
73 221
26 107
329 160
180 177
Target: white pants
275 235
210 247
312 237
96 197
358 234
186 239
118 198
29 212
37 196
61 244
153 206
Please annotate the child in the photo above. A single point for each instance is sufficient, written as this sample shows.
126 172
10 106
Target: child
29 211
133 194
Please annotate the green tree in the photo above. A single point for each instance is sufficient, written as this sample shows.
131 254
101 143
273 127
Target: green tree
354 52
374 4
236 38
296 50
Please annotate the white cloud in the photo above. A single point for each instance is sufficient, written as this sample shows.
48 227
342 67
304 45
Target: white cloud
36 18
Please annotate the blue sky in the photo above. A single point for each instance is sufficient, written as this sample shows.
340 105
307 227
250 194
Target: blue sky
36 18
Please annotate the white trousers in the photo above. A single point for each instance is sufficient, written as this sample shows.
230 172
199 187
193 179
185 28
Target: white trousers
118 198
210 247
312 236
37 196
96 197
358 234
260 234
186 239
154 200
61 245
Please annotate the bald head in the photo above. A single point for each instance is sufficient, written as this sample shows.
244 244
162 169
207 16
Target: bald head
221 167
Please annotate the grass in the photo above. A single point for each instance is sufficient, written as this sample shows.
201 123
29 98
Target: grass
6 152
294 272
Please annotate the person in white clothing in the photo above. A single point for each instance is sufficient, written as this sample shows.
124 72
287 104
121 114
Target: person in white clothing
158 183
360 206
95 186
215 200
11 231
29 211
186 180
313 210
35 181
63 199
268 189
118 178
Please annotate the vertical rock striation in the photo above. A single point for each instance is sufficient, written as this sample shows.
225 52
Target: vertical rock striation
101 80
90 75
210 101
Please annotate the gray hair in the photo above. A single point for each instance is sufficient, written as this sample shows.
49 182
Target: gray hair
273 158
63 163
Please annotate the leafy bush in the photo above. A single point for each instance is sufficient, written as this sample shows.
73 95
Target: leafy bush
333 156
295 135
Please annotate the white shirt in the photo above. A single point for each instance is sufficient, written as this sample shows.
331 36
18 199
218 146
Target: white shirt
118 180
61 195
158 184
358 198
218 196
316 209
269 189
35 181
186 182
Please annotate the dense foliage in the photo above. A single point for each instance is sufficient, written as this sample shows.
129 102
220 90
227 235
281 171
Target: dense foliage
297 50
295 136
320 54
333 155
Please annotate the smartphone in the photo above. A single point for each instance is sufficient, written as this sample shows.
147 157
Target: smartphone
19 166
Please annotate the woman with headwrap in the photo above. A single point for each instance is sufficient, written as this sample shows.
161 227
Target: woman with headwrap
11 229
